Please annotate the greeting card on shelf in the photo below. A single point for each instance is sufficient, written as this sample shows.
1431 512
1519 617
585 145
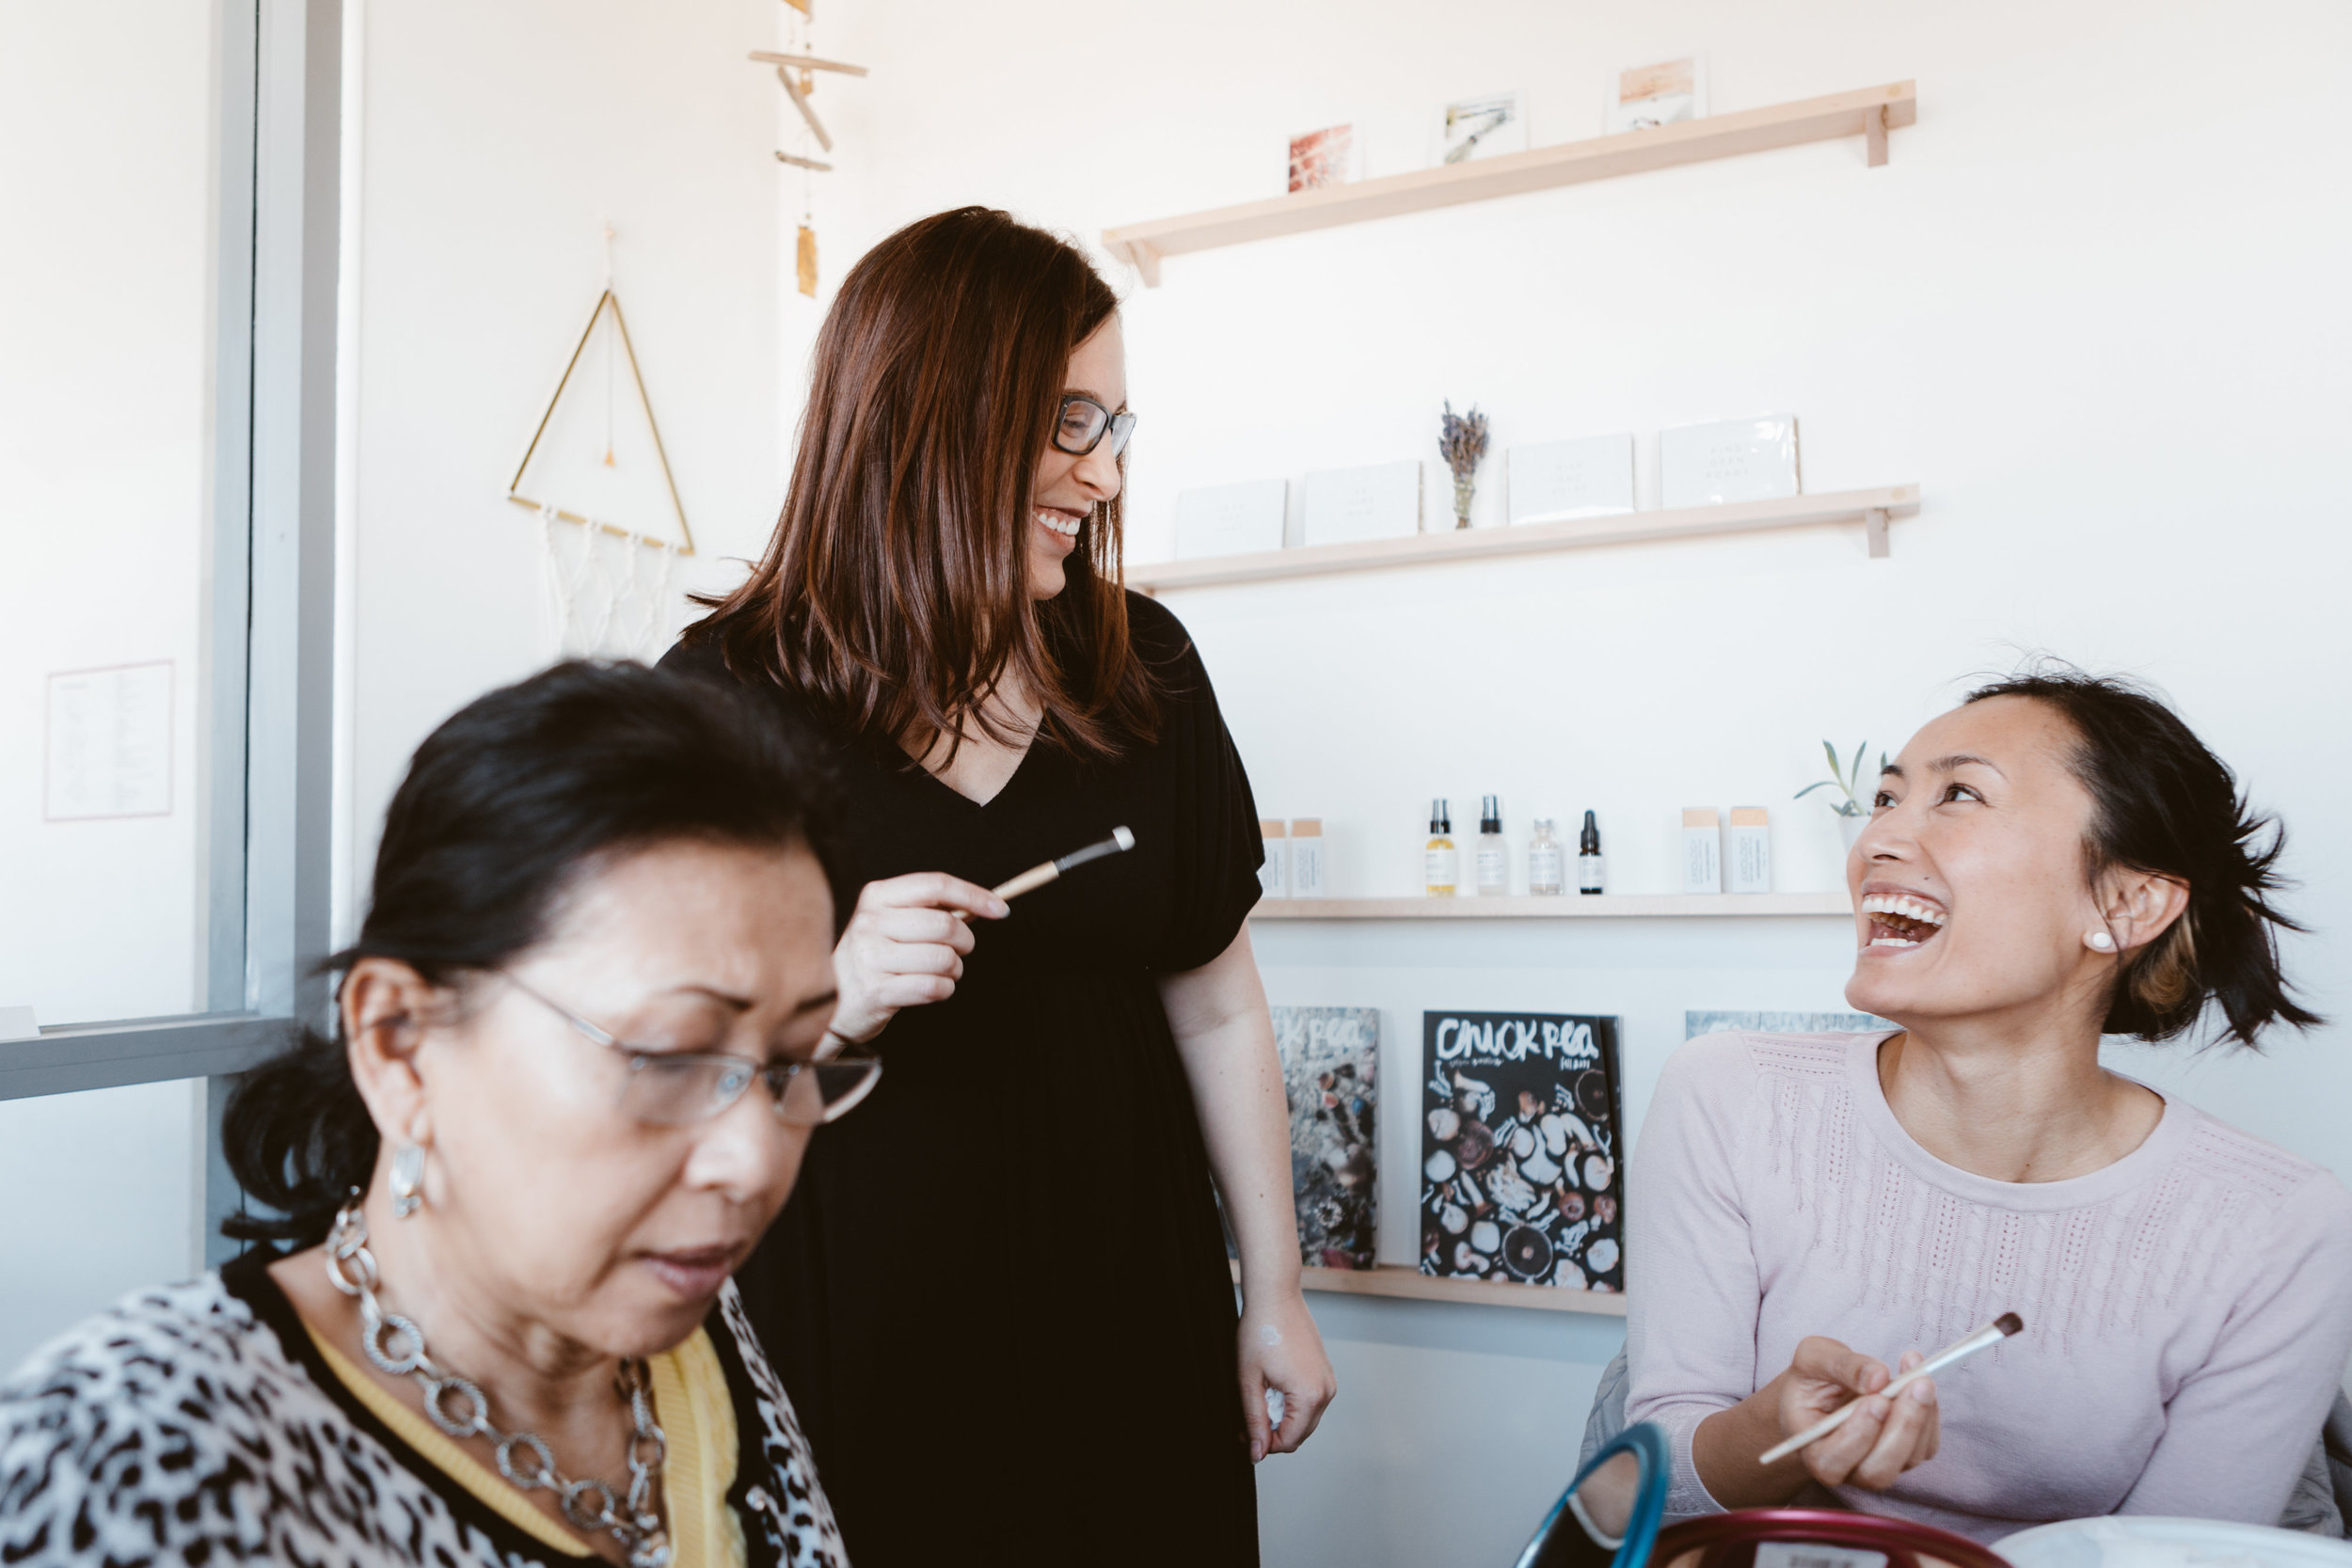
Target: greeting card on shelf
1644 96
1344 506
1520 1149
1481 127
1330 1056
1731 460
1555 481
1232 519
1331 156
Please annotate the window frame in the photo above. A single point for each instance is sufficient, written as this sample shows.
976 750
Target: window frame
267 711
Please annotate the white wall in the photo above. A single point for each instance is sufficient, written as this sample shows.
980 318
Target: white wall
2094 306
106 291
492 144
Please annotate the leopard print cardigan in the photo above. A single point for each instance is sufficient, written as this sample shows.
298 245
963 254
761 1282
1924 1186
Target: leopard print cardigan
196 1425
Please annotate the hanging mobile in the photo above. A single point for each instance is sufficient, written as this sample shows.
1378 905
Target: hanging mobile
799 88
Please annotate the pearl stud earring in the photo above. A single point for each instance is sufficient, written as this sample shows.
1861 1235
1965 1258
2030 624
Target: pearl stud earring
407 1181
2099 941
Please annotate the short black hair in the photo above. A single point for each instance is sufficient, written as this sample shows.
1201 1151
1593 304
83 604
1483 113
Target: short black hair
503 807
2163 803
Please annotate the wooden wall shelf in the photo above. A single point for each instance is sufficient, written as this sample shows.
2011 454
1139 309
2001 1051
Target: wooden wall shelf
1571 906
1390 1279
1868 113
1872 509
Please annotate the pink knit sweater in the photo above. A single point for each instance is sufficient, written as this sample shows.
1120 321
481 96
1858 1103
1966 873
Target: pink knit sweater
2189 1309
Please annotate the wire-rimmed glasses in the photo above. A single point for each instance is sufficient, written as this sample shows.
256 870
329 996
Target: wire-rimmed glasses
1081 424
677 1087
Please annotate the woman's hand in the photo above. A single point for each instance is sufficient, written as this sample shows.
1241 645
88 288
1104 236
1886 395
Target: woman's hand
904 948
1881 1439
1876 1444
1282 1350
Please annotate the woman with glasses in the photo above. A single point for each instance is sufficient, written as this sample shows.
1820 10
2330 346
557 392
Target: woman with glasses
581 1052
1001 1297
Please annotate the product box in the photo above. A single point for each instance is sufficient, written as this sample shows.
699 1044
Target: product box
1702 850
1232 519
1307 857
1344 506
1733 460
1520 1149
1556 481
1274 871
1749 856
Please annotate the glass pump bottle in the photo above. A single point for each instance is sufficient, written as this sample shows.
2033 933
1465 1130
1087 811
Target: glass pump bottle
1493 864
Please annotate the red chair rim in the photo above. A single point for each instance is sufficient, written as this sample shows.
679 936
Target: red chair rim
1900 1539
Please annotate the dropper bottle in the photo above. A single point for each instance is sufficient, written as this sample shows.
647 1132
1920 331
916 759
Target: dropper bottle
1441 865
1591 870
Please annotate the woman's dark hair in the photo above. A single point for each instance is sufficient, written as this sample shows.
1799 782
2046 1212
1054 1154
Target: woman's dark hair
896 589
2162 803
504 806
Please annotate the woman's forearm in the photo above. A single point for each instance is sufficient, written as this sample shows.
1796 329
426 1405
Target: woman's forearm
1226 1039
1725 1446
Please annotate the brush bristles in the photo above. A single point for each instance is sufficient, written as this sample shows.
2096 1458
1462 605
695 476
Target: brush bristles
2008 1323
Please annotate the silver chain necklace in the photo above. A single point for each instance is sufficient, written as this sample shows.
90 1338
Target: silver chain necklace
397 1345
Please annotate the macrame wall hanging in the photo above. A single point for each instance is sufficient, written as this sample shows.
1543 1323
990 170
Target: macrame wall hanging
798 72
610 525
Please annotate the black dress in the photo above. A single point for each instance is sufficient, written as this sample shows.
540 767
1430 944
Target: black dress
999 1296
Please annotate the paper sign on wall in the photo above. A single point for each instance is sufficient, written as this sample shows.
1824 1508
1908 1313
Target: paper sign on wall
1232 519
1556 481
109 743
1734 460
1346 505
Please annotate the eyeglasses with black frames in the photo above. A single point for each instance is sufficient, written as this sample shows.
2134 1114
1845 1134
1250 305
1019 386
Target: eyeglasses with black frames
673 1088
1082 423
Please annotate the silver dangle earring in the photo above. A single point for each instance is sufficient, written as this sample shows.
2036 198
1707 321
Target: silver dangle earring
408 1179
2099 941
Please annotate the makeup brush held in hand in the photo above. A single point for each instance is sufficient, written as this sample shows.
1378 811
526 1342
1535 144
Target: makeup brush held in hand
1989 1335
1036 877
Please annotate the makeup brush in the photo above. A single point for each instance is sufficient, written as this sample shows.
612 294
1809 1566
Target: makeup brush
1991 1334
1036 877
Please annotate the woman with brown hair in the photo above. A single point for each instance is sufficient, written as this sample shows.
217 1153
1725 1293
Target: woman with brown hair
999 1297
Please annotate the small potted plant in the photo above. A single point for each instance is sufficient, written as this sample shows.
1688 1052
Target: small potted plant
1462 441
1853 810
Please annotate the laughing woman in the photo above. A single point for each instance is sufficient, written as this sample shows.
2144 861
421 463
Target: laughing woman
1002 1304
2057 858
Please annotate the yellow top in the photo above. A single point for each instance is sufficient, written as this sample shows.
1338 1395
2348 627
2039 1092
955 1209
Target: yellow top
698 1416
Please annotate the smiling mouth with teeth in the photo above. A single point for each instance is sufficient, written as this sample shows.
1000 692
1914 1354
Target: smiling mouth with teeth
1066 527
1898 921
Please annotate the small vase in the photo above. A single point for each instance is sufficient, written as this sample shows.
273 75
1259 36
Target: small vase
1849 829
1463 490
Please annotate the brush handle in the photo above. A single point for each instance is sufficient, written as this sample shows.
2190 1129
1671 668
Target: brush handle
1028 882
1981 1339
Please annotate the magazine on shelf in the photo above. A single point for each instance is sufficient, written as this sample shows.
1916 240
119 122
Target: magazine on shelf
1330 1059
1522 1175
